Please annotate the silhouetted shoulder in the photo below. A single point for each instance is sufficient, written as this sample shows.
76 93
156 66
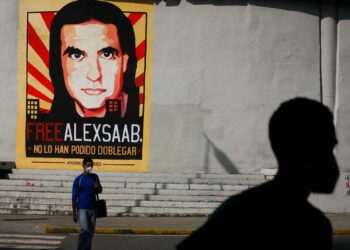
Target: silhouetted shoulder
230 225
317 229
264 217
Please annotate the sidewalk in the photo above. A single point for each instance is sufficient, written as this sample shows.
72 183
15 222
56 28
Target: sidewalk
126 225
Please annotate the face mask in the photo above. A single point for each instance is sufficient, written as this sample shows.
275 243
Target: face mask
88 170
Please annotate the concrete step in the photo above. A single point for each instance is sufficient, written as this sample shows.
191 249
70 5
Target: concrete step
65 205
156 211
48 192
141 181
121 211
109 197
56 198
186 198
165 180
65 202
137 175
53 192
69 196
179 204
32 185
195 192
34 212
100 173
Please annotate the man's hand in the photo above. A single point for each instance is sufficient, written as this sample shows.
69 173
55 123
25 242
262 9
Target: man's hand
75 218
74 208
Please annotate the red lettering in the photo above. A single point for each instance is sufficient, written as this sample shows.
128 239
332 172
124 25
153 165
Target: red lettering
48 131
57 131
40 129
29 131
44 131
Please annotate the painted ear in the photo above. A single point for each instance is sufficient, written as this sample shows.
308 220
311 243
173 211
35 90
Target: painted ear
125 62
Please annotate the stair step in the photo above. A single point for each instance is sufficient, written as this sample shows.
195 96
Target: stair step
168 181
121 211
137 175
194 190
152 211
48 192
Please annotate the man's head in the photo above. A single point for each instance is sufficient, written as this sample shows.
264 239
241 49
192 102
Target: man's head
303 137
88 164
92 54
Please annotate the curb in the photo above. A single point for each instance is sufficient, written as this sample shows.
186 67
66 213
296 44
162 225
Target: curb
136 231
341 231
143 231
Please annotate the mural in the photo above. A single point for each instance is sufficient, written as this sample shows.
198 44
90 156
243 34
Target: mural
85 71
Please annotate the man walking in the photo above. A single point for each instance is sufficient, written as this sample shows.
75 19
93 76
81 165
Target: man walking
85 187
277 215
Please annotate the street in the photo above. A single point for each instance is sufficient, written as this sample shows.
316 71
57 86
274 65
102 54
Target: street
126 242
341 242
111 242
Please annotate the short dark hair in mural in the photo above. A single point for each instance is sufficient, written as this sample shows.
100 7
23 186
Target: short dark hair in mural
79 12
85 37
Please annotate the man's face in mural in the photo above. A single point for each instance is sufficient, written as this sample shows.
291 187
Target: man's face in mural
93 65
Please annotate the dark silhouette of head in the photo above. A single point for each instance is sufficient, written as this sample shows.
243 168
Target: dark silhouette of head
302 136
87 159
88 165
83 11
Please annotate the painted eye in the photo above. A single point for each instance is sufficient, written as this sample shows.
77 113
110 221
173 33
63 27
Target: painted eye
76 56
107 55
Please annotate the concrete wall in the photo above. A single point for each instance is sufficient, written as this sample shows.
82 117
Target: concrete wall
219 71
338 201
8 76
343 88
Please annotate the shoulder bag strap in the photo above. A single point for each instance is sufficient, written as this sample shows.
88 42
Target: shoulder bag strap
96 180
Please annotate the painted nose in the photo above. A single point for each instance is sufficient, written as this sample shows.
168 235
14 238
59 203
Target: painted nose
94 71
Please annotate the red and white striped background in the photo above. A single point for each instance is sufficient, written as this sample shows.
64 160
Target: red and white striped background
39 85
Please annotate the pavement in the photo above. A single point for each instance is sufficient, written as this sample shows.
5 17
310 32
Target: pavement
128 225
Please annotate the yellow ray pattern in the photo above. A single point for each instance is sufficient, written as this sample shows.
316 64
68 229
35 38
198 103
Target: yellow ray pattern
40 27
36 84
36 61
140 30
141 110
140 67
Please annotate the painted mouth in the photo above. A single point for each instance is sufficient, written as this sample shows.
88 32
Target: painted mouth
90 91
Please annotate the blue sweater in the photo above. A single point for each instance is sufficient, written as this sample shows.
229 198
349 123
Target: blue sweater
83 191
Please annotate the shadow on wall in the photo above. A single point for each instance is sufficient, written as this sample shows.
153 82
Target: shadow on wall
225 162
306 6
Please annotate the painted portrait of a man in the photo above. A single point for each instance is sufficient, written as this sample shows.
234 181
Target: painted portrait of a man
85 74
93 63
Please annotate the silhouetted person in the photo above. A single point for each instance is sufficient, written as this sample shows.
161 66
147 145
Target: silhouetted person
277 215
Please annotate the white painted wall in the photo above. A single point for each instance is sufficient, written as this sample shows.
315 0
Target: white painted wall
218 74
8 78
343 89
338 201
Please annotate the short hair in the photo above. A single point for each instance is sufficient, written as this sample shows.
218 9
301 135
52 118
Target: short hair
299 127
87 159
79 12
